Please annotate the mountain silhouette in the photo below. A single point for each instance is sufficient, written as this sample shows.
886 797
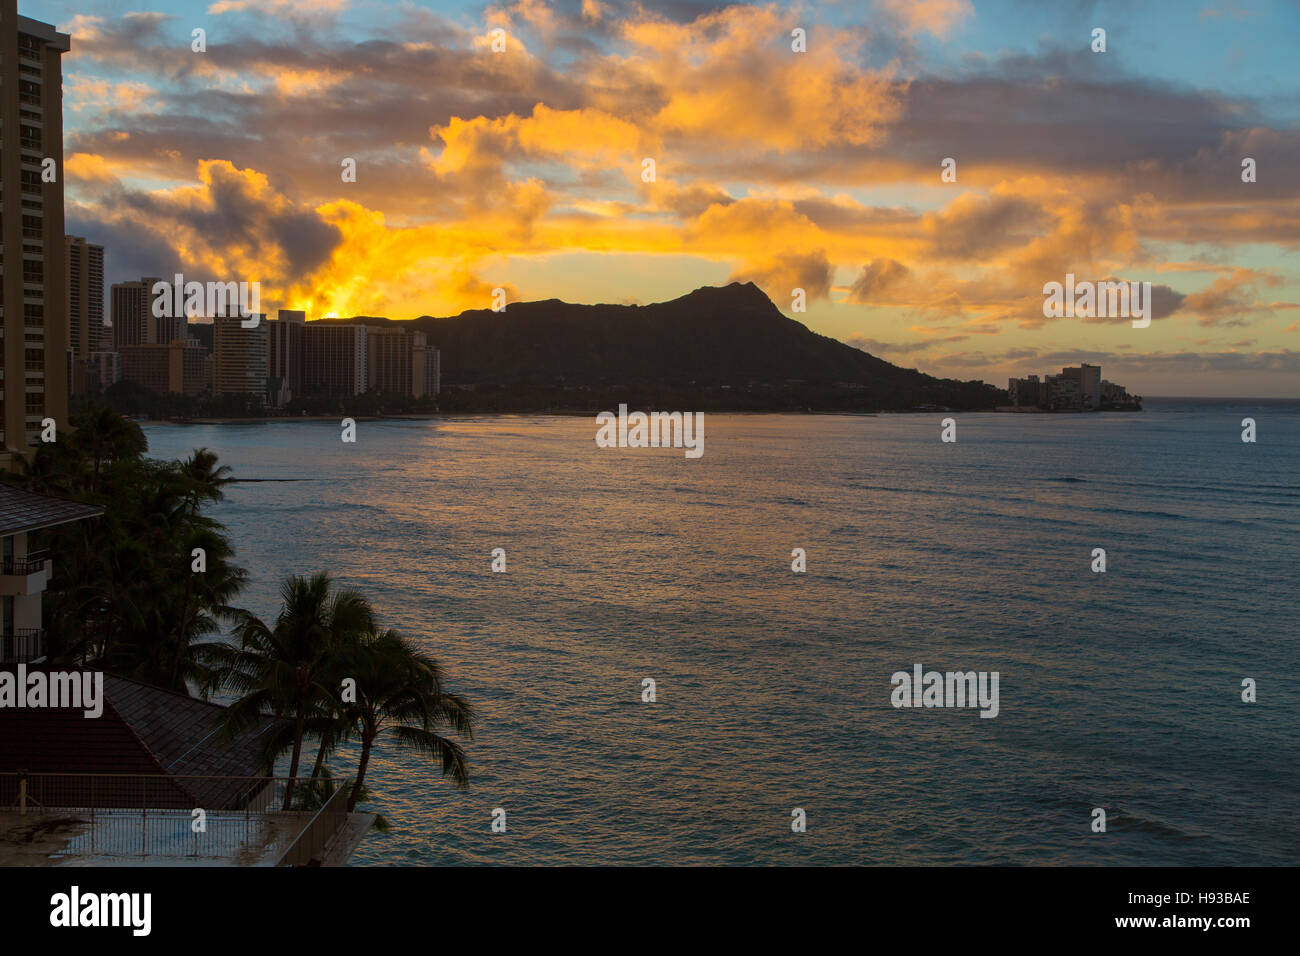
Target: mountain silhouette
729 338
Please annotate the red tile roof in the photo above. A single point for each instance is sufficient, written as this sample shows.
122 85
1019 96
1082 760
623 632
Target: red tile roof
143 730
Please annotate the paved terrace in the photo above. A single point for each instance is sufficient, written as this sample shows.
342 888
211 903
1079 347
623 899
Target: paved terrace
258 834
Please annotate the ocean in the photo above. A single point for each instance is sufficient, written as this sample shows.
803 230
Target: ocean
1119 690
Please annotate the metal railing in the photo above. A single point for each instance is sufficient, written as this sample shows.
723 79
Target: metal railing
33 562
22 646
313 843
222 819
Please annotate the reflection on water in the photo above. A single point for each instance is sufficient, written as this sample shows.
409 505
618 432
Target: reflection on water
1118 690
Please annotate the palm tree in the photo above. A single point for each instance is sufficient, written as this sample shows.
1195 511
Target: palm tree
207 478
400 691
289 669
104 436
125 596
203 602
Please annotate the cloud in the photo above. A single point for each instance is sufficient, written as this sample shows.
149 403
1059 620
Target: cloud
876 278
779 276
290 10
232 226
938 17
974 225
1228 297
789 170
86 92
877 347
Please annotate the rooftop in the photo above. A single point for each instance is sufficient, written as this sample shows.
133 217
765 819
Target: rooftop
22 510
124 785
46 32
143 730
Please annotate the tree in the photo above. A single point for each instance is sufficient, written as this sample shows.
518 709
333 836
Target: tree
126 596
287 669
400 691
207 477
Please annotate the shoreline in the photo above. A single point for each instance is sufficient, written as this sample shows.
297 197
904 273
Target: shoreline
429 416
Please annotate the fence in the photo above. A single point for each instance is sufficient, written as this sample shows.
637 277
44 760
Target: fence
310 847
22 646
242 819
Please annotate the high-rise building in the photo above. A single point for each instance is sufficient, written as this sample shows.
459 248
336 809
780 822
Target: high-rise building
85 281
33 293
147 365
181 367
200 330
102 370
239 360
1027 392
333 359
432 371
1088 378
397 361
1091 376
167 328
284 356
1064 392
131 306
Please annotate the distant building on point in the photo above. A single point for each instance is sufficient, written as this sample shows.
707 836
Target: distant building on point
1076 388
1088 379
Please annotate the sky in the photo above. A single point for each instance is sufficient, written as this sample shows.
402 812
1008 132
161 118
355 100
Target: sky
523 168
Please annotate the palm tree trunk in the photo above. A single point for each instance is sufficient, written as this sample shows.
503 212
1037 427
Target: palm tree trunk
320 757
182 641
298 727
366 741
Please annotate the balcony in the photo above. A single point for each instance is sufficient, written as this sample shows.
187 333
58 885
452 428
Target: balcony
22 646
27 575
54 819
